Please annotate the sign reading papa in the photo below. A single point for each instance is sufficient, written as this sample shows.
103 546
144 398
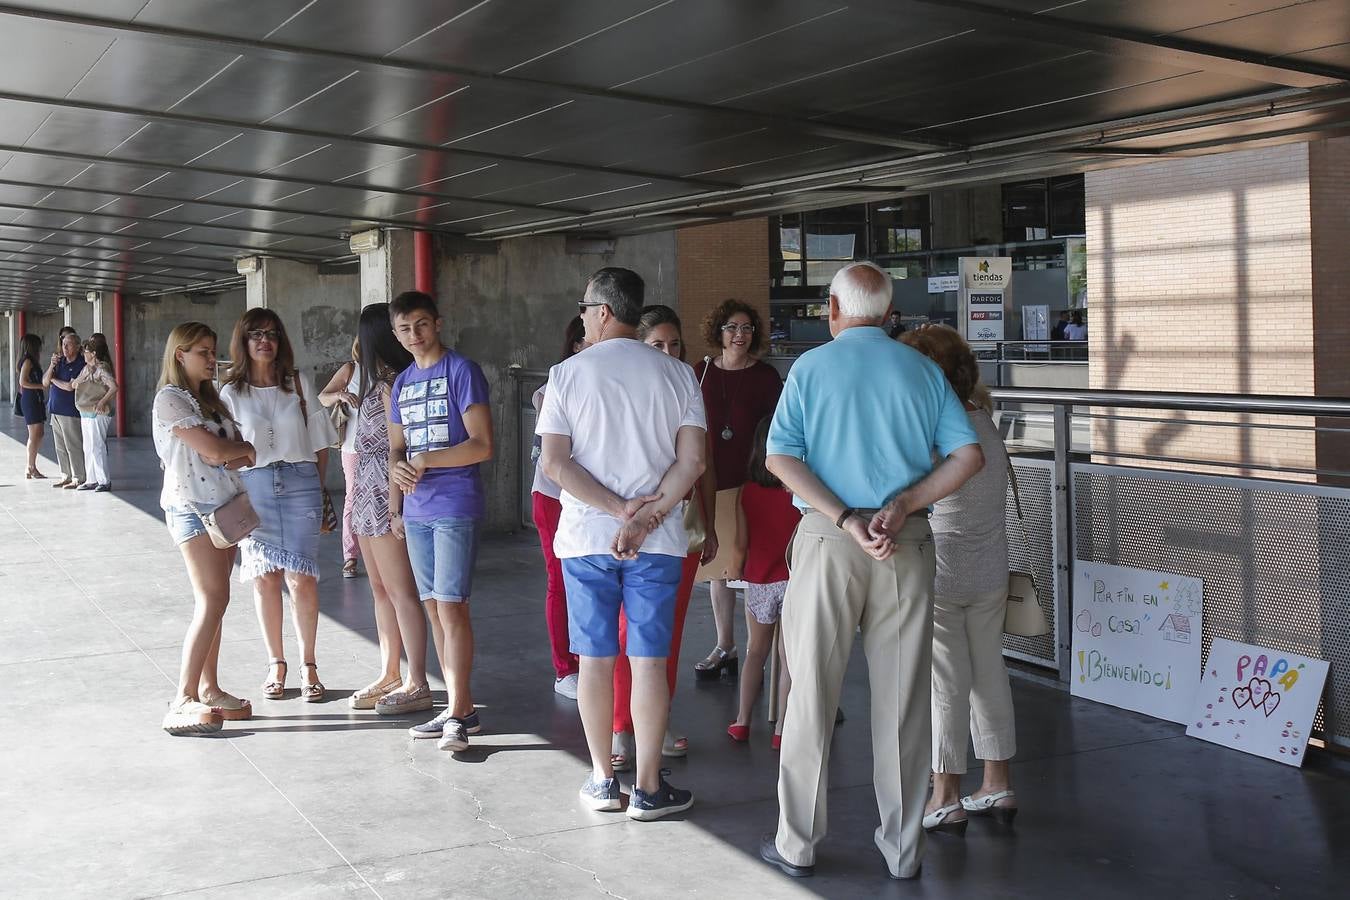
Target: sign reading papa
1259 701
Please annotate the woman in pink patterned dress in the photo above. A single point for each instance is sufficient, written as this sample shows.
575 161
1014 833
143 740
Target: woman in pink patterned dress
398 612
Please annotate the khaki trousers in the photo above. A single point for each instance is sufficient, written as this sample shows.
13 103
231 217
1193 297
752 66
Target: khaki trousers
69 440
835 588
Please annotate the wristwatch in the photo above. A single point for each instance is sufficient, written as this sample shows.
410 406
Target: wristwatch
843 517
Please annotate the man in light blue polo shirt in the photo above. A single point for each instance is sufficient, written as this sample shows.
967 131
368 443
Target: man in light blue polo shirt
855 437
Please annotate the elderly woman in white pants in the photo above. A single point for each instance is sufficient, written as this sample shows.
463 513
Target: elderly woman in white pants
971 694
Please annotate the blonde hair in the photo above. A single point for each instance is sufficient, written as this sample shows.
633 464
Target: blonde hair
171 371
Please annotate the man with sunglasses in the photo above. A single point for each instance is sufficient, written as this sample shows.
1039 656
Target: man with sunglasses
623 433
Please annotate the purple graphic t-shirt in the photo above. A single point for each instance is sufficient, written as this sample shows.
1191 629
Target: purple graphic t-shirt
430 403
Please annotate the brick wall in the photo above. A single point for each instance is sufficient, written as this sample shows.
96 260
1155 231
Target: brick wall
1200 279
716 262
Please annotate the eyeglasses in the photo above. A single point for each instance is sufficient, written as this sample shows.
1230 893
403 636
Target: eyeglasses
258 335
582 306
738 329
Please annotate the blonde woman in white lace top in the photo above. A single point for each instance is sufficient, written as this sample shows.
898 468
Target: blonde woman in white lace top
200 449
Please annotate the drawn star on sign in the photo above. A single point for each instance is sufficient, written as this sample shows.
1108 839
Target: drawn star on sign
1163 586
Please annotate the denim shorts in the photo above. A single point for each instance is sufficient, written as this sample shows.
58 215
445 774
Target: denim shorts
597 586
443 553
183 524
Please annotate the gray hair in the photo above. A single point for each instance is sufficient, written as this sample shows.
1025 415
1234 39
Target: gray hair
621 290
863 290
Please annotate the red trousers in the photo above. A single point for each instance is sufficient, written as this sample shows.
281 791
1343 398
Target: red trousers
546 511
623 673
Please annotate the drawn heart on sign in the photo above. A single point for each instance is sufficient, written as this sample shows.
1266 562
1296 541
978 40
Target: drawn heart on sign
1241 697
1271 701
1259 687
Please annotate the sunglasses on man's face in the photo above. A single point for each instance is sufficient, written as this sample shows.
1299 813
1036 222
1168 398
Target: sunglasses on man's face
582 306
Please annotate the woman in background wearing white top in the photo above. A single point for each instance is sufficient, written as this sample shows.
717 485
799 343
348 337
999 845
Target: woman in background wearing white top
342 388
271 401
971 694
198 446
545 508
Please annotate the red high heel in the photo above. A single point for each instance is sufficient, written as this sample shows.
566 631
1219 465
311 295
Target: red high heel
738 733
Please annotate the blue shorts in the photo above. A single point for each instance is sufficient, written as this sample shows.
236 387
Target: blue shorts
183 524
442 553
597 586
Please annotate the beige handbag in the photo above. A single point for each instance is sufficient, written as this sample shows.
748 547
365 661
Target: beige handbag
1024 616
230 523
695 523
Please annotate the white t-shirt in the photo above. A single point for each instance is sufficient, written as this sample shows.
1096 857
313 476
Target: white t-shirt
353 413
1075 332
190 482
622 403
271 421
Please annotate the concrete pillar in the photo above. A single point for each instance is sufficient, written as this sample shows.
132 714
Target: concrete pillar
95 301
11 342
390 269
119 355
67 312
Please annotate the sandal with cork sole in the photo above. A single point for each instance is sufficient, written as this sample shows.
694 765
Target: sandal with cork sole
228 706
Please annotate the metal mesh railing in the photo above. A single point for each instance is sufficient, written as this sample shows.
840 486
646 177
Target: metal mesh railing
1273 557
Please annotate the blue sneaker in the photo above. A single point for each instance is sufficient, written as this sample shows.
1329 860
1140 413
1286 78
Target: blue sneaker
602 795
664 801
436 727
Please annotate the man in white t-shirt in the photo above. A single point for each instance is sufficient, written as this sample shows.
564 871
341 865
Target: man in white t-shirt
623 432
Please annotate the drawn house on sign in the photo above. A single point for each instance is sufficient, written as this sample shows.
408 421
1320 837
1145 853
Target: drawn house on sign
1176 627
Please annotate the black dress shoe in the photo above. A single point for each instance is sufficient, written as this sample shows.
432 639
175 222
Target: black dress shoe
768 851
103 488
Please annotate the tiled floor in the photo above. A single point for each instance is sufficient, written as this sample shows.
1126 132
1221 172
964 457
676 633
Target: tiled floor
316 800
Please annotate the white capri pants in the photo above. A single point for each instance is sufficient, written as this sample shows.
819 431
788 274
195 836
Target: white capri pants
972 698
94 429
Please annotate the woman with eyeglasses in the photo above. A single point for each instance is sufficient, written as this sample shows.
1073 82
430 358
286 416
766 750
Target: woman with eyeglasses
279 414
738 391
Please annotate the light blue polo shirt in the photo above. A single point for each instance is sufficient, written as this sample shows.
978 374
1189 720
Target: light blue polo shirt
866 413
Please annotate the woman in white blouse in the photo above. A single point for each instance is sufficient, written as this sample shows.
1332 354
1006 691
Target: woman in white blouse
278 412
199 448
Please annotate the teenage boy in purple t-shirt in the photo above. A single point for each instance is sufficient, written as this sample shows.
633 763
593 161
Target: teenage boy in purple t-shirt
440 429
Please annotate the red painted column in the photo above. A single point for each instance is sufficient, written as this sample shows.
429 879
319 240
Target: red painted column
424 274
23 323
120 363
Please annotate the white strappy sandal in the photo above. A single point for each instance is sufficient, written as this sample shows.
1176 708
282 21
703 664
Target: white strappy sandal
940 820
988 806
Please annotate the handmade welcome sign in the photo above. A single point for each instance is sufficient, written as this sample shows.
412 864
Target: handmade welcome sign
1257 700
1136 639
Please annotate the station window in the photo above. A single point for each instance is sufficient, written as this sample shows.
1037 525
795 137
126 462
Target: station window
1043 208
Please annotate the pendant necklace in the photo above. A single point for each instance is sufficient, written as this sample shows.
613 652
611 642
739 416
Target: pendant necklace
727 433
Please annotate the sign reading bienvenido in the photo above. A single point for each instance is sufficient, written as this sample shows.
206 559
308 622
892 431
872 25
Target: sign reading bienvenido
983 280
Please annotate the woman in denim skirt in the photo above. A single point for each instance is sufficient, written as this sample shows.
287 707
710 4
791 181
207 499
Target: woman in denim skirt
279 413
199 447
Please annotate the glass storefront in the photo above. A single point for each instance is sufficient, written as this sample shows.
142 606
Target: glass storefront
1042 225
